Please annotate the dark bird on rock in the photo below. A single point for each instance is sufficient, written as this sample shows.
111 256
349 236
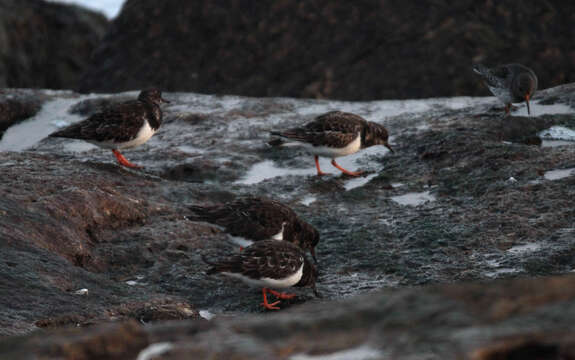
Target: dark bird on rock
269 264
511 83
121 126
252 219
335 134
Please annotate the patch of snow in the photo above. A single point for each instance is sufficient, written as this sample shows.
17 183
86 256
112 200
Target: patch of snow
555 143
359 353
558 174
308 200
413 198
190 149
526 248
110 8
153 350
496 273
207 314
358 182
267 169
81 292
539 109
558 133
78 146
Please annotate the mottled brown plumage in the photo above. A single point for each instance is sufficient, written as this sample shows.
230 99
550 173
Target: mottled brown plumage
336 134
121 126
269 263
257 219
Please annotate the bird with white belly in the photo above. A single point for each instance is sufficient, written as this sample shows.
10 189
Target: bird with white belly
121 126
333 135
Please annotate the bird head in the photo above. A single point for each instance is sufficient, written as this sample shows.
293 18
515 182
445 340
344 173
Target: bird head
153 96
376 134
306 237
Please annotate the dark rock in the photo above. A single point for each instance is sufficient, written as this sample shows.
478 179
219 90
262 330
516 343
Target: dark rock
17 105
518 319
113 341
325 49
46 44
71 219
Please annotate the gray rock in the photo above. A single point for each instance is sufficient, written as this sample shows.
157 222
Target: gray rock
71 219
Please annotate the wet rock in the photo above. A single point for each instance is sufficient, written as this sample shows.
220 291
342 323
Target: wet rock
46 44
17 105
521 318
328 49
455 203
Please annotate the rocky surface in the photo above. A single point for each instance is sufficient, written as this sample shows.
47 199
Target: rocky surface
324 49
46 44
18 105
465 197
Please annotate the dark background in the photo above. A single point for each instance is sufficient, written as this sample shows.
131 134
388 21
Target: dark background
352 50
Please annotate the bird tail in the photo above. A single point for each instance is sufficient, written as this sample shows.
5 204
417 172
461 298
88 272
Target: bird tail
277 142
481 70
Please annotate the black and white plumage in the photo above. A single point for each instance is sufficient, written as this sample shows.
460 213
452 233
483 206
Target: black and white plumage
510 83
335 134
121 126
268 264
252 219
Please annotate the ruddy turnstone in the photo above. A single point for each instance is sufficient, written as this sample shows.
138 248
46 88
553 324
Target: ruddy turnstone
335 134
511 83
252 219
122 126
269 264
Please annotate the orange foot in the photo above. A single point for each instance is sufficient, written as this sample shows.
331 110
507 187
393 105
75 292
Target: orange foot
347 172
319 172
282 296
123 161
267 305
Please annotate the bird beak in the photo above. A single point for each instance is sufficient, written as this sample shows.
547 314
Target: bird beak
389 147
164 100
527 101
312 252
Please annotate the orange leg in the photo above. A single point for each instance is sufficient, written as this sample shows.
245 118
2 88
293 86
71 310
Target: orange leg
267 305
319 172
347 172
280 295
123 161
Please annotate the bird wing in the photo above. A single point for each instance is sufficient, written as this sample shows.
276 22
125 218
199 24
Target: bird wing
117 123
271 259
337 121
495 77
250 218
334 129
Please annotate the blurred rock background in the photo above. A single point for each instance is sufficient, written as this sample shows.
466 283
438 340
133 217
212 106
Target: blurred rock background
360 50
45 44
